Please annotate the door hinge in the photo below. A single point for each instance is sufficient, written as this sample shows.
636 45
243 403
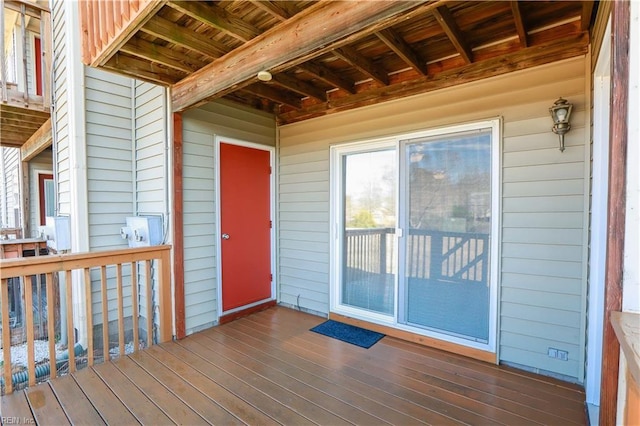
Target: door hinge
270 224
271 277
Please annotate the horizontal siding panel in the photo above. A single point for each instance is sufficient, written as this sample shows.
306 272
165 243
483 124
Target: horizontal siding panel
295 255
304 187
546 139
532 297
544 268
314 166
543 188
543 236
305 226
198 207
294 274
120 136
544 156
542 252
303 158
570 203
304 178
544 172
542 361
310 246
566 220
534 313
321 237
286 207
307 265
301 197
541 330
305 217
539 125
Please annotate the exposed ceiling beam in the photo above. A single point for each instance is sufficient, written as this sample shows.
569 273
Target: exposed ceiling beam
520 27
273 9
218 18
587 10
300 86
162 55
289 44
328 76
445 18
37 143
275 95
363 64
184 37
395 42
557 50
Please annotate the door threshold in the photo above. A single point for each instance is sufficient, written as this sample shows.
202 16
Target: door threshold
474 353
244 312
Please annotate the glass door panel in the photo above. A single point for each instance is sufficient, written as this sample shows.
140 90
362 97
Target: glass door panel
447 216
369 221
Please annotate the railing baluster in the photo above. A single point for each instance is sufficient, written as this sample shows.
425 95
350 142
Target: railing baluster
6 335
29 326
105 313
51 323
71 335
149 296
120 309
134 304
88 301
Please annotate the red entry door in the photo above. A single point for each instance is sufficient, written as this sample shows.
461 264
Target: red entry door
245 213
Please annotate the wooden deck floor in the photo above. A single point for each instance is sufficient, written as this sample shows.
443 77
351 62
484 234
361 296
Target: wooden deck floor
269 369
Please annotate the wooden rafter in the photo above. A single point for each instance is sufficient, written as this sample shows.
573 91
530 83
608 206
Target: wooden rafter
362 63
148 70
445 18
166 30
218 18
299 86
328 76
520 27
273 9
396 43
567 47
275 95
295 41
162 55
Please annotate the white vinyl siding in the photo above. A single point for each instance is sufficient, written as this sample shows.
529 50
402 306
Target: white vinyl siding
200 126
543 260
150 159
60 107
9 205
108 125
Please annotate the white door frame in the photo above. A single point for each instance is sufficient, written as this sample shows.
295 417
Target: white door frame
272 151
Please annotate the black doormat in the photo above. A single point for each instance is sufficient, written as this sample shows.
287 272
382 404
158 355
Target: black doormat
348 333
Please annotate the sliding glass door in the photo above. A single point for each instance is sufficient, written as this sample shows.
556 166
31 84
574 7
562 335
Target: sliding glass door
369 222
447 217
414 235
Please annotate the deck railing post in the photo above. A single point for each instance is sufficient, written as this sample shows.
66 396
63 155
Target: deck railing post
3 65
164 298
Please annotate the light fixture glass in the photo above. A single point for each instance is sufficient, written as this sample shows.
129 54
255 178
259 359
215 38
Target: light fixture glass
560 113
264 76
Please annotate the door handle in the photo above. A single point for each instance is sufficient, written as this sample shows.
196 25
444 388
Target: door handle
225 236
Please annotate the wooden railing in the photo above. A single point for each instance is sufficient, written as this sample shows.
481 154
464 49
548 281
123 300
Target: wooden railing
88 269
430 254
40 95
107 25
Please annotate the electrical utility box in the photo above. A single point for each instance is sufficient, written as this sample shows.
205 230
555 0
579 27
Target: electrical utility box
143 231
57 232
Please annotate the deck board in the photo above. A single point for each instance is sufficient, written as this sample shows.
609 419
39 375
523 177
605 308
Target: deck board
269 369
76 406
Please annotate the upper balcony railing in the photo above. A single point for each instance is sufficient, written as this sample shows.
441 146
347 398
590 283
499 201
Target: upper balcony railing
25 65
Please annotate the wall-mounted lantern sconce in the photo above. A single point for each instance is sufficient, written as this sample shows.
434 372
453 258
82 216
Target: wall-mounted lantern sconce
560 113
